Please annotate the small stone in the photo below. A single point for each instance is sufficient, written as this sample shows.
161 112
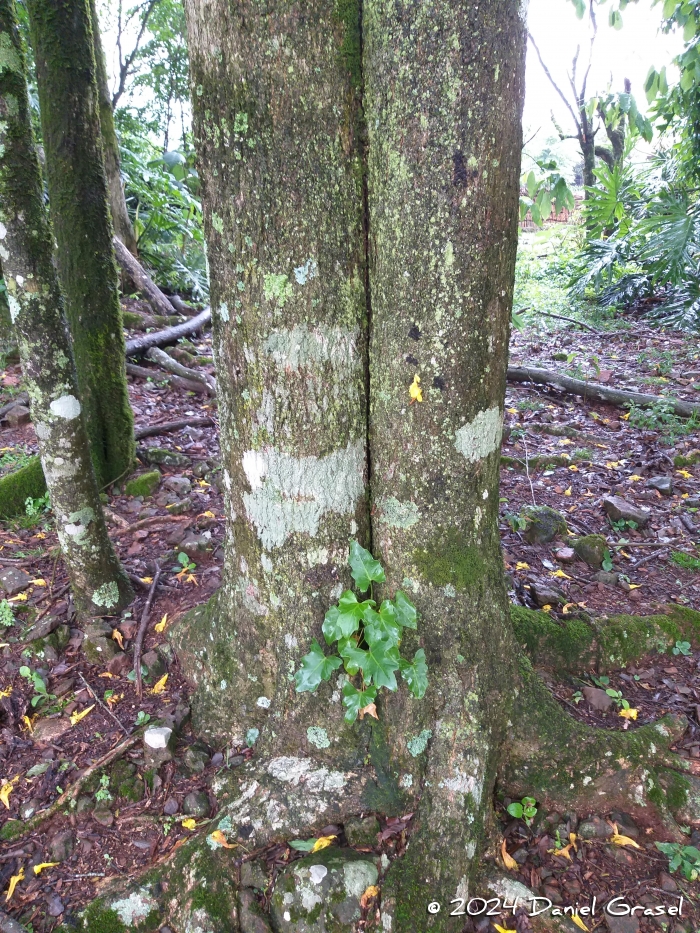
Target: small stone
625 825
217 759
545 595
595 828
201 469
179 508
61 846
235 761
154 662
193 544
543 524
176 535
597 698
196 757
29 808
622 924
118 664
14 581
250 914
143 485
48 730
666 882
196 804
663 484
591 549
609 579
253 875
103 816
17 416
63 687
618 508
99 649
362 832
180 485
158 742
565 555
54 905
171 806
161 456
84 804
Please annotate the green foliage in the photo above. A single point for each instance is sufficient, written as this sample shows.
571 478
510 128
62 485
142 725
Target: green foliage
142 718
686 561
682 647
367 641
660 417
103 793
524 809
184 564
543 272
607 561
7 616
545 189
687 858
41 694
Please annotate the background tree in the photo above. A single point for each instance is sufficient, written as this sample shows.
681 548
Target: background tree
97 581
65 63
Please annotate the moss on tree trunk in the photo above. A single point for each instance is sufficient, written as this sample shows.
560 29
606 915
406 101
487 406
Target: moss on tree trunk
97 581
110 144
63 48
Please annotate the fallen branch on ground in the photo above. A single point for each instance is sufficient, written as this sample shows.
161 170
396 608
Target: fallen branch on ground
161 358
157 375
142 280
595 390
157 429
161 338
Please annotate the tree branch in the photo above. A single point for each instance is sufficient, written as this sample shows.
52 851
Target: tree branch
554 83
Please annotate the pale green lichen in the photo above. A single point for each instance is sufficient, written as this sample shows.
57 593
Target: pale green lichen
217 223
106 595
134 909
481 436
277 288
223 312
318 737
399 514
251 737
303 346
308 271
9 57
418 744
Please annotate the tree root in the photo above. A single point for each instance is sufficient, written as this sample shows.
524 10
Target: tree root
139 345
596 391
161 358
158 375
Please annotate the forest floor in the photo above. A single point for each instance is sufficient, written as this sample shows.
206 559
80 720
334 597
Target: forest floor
61 712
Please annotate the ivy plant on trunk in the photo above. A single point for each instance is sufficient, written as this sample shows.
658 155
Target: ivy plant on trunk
98 583
70 120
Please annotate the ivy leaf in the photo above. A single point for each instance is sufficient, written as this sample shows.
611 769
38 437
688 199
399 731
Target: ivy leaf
315 667
406 614
382 660
303 845
355 658
354 700
415 674
364 569
343 620
382 625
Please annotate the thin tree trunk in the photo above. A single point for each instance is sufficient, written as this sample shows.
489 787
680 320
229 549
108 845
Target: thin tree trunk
63 48
98 583
444 165
115 187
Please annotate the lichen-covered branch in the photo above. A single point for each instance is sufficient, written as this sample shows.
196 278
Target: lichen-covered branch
63 47
97 581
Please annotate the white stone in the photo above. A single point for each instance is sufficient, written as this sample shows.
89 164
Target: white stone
157 736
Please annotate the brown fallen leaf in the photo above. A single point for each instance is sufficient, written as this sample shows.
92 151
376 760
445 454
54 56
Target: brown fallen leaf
508 860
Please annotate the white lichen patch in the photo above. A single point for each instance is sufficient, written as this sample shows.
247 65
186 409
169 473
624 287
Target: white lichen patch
317 873
223 312
318 737
67 406
305 347
134 909
292 494
14 307
418 744
308 271
482 436
263 702
106 595
398 514
406 781
358 876
462 783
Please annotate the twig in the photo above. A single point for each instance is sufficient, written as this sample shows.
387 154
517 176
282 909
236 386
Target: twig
157 429
156 520
571 320
653 556
142 631
103 705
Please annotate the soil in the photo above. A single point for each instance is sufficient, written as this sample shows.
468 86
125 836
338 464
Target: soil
618 455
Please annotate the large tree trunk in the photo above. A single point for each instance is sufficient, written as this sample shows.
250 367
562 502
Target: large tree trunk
62 40
115 187
98 583
444 87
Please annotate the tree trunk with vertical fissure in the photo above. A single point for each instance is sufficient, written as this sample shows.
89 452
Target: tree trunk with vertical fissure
65 64
115 188
99 585
362 176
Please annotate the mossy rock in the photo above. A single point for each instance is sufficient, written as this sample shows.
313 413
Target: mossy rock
542 523
11 830
15 488
132 790
591 549
690 459
143 485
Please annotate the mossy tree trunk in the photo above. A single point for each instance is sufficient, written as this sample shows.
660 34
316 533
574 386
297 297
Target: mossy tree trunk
68 95
98 583
115 188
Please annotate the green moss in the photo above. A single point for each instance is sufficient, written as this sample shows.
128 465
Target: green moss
143 485
100 920
16 487
348 13
132 790
10 830
683 461
677 788
535 463
565 645
449 560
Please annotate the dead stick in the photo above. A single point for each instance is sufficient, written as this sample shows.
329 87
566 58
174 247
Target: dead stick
142 631
156 429
103 705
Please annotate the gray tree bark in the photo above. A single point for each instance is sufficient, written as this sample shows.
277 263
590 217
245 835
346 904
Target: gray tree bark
99 585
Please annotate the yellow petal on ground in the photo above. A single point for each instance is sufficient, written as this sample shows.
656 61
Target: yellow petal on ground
625 417
6 790
40 534
39 868
560 573
414 390
159 687
38 582
118 637
322 843
568 606
567 492
19 598
370 892
6 692
612 464
112 701
564 441
512 411
204 484
521 565
76 717
208 514
14 881
564 852
189 823
634 478
629 713
501 929
619 840
106 674
546 608
160 626
572 839
685 474
218 837
578 921
28 723
573 468
190 578
508 860
147 579
634 586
